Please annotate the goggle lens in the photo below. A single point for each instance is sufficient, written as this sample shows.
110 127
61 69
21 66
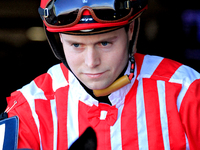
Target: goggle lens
62 19
65 12
110 15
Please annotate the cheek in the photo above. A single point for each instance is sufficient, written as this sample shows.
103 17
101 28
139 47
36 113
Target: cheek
72 59
118 61
121 59
122 54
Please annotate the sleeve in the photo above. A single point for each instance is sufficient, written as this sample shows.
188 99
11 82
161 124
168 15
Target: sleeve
28 132
190 114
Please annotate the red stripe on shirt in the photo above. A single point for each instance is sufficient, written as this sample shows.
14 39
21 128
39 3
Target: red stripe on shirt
129 120
61 97
161 73
43 110
83 119
190 115
139 60
151 101
44 82
176 133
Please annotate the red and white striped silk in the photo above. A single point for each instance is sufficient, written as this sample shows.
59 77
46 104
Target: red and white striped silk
160 109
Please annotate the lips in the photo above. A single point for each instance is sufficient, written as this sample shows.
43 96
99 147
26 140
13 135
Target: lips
94 75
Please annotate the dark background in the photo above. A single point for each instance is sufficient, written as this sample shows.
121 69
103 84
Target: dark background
169 29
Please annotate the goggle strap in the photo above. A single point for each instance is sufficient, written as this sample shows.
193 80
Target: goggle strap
136 28
41 12
55 46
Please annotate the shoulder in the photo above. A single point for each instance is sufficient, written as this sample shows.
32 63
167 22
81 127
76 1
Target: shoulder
159 68
42 87
45 85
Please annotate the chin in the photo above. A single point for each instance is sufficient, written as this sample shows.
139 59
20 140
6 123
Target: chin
98 87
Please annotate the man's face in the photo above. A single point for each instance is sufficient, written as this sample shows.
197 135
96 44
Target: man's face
97 60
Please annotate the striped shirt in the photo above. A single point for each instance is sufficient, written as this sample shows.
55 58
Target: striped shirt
159 109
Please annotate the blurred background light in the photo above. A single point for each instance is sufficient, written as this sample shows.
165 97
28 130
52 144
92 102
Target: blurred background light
36 34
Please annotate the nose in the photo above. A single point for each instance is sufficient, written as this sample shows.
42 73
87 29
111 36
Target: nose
92 58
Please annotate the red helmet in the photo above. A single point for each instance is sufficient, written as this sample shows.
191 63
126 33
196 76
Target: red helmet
78 15
90 17
86 17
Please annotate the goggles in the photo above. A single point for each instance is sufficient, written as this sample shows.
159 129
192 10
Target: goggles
67 13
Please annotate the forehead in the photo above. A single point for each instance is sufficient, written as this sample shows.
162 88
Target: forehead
93 38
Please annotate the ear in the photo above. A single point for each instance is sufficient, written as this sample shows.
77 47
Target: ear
131 30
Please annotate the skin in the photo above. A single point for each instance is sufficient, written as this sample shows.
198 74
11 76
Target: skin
97 60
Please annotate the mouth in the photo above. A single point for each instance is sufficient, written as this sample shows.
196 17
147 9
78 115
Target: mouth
94 75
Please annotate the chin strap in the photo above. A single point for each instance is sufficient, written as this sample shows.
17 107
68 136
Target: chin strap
119 83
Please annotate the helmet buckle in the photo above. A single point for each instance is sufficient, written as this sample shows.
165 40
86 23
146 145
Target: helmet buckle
127 4
46 12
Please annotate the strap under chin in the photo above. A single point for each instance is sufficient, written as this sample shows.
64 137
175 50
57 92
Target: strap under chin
119 83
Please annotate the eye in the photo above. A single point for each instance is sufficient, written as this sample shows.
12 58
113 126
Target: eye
76 45
104 43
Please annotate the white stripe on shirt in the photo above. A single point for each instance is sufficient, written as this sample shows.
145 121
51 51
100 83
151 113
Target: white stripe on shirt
163 113
55 123
149 65
115 132
141 118
72 116
57 76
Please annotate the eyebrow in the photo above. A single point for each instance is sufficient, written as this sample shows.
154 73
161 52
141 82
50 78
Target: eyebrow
108 39
98 41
